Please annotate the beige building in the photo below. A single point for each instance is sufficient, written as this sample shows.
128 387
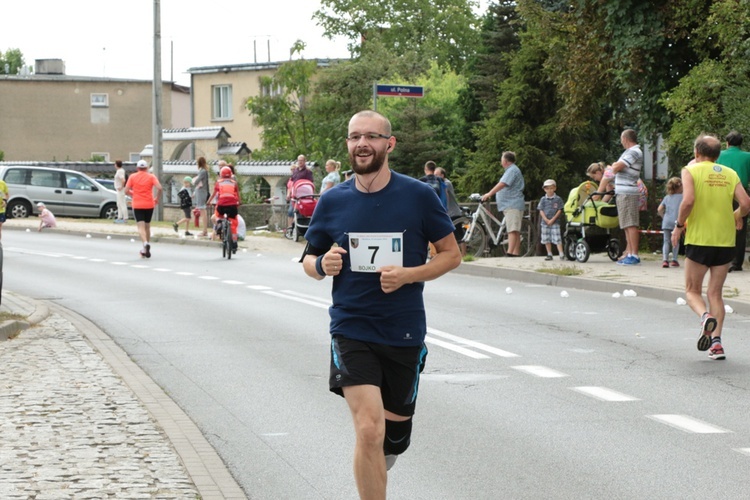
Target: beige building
219 94
49 116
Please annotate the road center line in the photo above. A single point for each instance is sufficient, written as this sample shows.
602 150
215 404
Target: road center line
688 424
604 394
297 299
539 371
472 343
327 302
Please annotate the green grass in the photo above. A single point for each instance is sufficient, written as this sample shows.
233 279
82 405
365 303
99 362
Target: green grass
730 293
561 270
469 258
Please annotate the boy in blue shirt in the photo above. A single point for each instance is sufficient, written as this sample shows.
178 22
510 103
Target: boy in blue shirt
550 209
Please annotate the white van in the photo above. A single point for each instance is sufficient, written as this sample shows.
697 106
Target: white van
66 193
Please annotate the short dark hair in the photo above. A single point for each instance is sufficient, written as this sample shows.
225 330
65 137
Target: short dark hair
708 146
509 156
734 138
630 135
118 163
430 165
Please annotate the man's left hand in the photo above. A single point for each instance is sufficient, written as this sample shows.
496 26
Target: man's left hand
392 278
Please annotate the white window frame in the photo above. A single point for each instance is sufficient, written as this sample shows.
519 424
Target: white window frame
270 90
221 102
99 100
103 155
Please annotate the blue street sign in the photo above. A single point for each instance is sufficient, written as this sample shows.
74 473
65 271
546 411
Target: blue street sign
399 90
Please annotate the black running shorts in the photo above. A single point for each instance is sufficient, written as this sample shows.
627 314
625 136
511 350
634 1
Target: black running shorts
143 214
710 256
394 369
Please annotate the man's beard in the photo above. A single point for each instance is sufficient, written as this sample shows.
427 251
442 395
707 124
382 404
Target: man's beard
376 162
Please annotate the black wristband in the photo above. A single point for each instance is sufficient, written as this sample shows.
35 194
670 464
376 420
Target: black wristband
319 265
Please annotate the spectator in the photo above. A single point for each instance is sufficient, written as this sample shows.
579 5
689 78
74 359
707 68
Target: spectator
668 209
46 218
200 194
333 177
186 205
550 209
3 204
509 197
122 204
739 161
627 171
299 171
706 213
454 210
437 183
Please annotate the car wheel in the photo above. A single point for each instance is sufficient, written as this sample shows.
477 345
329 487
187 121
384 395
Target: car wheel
18 209
109 211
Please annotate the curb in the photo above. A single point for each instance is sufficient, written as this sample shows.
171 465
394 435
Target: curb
11 328
590 285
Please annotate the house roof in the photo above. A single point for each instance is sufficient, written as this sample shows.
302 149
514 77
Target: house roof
194 133
231 68
257 168
234 148
88 167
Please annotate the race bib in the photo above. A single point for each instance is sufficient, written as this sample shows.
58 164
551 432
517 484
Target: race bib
371 251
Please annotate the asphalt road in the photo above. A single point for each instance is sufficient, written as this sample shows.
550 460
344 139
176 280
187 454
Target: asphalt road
527 394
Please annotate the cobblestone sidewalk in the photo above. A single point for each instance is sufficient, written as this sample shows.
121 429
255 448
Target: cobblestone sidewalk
70 427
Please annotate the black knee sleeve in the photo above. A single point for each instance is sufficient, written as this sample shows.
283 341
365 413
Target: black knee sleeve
397 437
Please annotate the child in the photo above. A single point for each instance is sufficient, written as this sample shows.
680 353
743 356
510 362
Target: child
550 207
46 218
186 203
668 209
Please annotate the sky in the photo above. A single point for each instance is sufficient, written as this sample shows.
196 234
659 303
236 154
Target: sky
107 38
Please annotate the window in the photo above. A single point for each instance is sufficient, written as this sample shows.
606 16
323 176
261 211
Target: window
16 176
222 102
45 178
99 156
269 89
77 182
99 100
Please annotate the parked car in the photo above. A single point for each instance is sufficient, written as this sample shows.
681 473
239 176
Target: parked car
66 193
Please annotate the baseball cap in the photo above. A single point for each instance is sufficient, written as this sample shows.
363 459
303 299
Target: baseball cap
40 205
142 164
188 179
549 182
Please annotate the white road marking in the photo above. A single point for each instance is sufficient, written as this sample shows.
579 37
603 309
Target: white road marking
259 287
97 260
139 266
327 301
688 424
296 299
162 270
184 273
539 371
604 394
208 277
79 257
744 451
455 348
119 263
232 282
472 343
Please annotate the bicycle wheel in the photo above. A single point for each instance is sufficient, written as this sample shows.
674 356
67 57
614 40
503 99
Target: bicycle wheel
227 240
475 238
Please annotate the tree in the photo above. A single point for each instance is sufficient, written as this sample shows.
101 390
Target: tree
437 30
11 61
281 109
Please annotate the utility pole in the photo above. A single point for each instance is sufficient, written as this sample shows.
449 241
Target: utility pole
157 123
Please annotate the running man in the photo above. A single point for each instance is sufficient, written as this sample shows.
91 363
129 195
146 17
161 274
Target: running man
708 190
140 187
381 224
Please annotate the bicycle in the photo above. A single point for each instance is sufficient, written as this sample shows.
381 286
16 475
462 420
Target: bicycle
227 244
479 237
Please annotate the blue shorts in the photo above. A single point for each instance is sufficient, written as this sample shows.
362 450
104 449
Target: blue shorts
394 369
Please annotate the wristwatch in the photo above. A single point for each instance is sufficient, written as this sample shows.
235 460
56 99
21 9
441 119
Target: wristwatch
678 225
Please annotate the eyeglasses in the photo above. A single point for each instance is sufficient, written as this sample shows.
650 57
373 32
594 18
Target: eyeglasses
368 137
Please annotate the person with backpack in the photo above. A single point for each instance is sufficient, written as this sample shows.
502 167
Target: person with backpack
437 183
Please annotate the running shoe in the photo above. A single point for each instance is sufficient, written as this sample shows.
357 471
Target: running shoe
175 227
391 459
548 257
147 253
665 264
708 325
630 260
716 352
675 264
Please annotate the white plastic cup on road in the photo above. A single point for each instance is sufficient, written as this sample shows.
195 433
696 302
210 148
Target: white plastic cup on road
680 301
564 294
509 290
728 309
616 295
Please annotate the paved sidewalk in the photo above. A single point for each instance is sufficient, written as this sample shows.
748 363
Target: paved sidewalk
79 419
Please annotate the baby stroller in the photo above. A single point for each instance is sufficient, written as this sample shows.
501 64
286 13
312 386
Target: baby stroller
588 224
303 200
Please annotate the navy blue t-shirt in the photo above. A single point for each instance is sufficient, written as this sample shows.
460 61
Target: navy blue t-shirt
361 310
